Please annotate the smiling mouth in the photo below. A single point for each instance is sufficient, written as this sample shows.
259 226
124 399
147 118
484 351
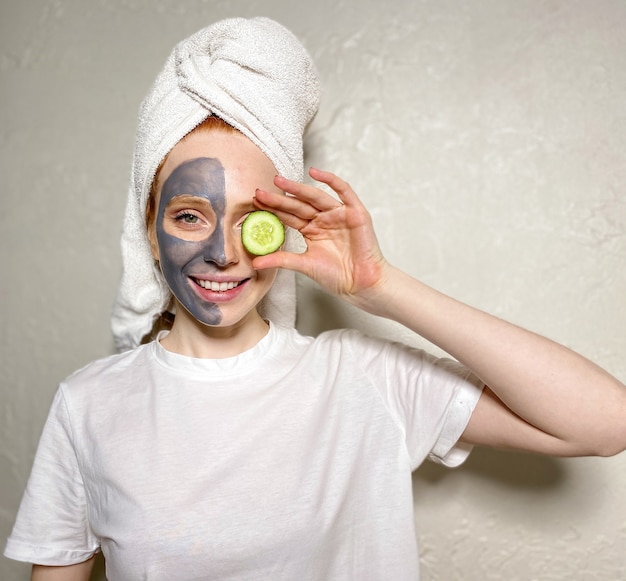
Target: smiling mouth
217 286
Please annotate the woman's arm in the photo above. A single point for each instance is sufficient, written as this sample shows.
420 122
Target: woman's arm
542 397
78 572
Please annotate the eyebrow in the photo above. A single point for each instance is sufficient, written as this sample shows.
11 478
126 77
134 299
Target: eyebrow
242 205
191 199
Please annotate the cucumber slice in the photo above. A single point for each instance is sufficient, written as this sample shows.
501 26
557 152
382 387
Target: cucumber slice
262 233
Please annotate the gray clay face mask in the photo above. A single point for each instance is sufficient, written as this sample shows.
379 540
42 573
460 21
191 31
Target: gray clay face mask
183 258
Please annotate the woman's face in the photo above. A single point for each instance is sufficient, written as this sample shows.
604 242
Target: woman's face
204 192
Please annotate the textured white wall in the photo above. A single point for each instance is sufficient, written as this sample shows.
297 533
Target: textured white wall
487 137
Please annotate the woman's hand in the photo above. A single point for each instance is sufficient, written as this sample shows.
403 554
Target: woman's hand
342 252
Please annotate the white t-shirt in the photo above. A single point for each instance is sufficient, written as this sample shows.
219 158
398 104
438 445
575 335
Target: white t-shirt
290 461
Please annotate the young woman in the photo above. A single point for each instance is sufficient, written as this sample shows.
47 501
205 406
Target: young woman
232 447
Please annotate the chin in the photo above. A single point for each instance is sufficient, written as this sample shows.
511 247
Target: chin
228 319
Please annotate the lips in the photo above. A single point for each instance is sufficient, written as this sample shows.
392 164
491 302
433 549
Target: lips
215 286
214 291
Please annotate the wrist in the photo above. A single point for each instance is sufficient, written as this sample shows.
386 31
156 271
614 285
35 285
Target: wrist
379 299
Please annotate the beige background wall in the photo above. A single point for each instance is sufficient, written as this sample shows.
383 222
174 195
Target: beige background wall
487 137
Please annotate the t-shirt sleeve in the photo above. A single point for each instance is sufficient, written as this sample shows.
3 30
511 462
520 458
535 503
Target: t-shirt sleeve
52 526
431 399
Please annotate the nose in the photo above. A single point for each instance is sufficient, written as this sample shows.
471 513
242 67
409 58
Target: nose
221 248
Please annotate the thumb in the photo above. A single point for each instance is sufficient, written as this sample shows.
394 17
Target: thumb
280 259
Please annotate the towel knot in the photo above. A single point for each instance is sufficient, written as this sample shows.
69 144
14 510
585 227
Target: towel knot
267 90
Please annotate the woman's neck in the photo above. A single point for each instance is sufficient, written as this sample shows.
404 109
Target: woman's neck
193 339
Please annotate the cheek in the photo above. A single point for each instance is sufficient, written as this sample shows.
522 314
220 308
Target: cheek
175 252
267 276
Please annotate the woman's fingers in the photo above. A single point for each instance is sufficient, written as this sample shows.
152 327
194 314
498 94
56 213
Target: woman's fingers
280 259
286 204
304 204
287 218
308 194
339 186
291 213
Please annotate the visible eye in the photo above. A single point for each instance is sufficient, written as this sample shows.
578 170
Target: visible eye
187 217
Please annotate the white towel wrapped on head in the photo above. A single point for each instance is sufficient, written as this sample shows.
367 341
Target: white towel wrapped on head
256 76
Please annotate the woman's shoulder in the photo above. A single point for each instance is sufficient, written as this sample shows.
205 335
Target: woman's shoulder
104 368
339 340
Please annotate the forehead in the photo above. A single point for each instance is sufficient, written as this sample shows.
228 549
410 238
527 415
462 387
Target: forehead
245 166
200 176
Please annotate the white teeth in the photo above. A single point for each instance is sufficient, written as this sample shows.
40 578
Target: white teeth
217 286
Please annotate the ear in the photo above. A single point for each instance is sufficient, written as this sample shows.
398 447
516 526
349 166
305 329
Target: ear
151 218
